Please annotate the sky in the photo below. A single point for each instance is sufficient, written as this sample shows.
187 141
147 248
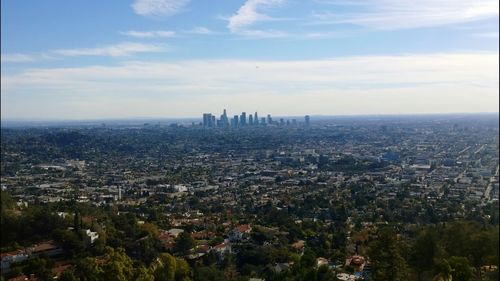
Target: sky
73 60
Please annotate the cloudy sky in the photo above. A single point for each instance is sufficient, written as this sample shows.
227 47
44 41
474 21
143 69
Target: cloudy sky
178 58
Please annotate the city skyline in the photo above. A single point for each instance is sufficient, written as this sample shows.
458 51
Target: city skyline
211 121
171 58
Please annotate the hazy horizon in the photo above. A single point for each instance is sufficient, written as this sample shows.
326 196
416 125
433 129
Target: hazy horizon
152 58
298 117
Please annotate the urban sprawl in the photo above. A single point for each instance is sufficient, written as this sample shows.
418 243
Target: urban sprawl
340 198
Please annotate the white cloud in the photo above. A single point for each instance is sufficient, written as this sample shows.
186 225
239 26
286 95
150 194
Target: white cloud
400 14
492 34
158 7
17 58
201 30
256 33
459 82
248 14
149 34
118 50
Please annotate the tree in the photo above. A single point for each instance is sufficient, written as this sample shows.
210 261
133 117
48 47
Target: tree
76 222
118 265
184 243
89 269
114 265
165 268
386 254
324 274
461 269
308 259
182 272
70 241
67 275
442 271
209 274
423 252
143 273
147 249
39 267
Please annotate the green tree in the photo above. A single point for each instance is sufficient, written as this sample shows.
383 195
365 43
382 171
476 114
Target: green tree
147 249
182 272
39 267
165 268
423 252
386 254
184 243
70 241
67 275
325 274
89 269
461 269
143 273
114 265
308 259
442 271
118 266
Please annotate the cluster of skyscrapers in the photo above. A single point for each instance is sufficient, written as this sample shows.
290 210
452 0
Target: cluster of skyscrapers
210 121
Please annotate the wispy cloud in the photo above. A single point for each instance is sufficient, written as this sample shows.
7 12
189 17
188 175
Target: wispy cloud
17 58
492 34
158 7
257 33
400 14
201 30
250 13
118 50
463 82
149 34
124 49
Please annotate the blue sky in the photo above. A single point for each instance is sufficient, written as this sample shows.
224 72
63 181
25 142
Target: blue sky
179 58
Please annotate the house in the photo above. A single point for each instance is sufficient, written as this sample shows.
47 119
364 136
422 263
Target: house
174 232
166 240
221 249
279 267
47 248
356 262
12 257
299 246
346 277
239 232
91 236
321 261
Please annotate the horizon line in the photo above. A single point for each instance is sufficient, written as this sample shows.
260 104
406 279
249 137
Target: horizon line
145 118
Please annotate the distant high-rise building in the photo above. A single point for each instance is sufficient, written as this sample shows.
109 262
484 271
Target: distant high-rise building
263 121
308 120
207 119
269 119
212 121
250 120
294 122
256 118
224 121
243 119
282 122
235 121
